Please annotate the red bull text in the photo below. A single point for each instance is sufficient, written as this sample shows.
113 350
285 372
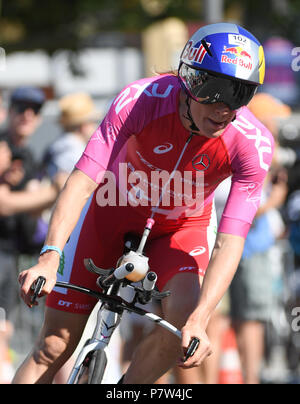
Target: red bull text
236 55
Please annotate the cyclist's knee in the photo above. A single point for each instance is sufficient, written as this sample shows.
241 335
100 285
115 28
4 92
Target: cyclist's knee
49 349
59 337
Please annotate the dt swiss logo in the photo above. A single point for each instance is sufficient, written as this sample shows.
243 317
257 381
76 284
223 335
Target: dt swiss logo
201 162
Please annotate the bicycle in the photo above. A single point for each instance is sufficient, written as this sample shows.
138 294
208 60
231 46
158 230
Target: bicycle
132 267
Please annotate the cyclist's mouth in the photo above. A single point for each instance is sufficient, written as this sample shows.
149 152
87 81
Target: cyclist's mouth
217 125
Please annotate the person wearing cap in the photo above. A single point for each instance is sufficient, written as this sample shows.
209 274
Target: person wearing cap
78 117
24 114
193 121
23 119
19 176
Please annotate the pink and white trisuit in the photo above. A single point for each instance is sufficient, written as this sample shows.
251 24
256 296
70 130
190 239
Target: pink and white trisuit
140 138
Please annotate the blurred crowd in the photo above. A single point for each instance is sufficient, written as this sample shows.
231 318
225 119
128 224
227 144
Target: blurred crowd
260 309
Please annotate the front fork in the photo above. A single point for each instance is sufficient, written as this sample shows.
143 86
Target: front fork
107 322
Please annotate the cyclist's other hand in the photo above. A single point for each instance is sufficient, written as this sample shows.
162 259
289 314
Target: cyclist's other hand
202 352
47 269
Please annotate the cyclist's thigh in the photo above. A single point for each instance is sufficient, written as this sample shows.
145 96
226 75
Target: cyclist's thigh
187 251
66 326
184 297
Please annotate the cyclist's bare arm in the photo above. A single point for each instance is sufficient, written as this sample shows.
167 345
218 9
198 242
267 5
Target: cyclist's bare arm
221 269
69 205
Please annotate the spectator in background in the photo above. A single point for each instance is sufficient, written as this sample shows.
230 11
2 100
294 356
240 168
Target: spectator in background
5 157
78 118
24 117
7 277
3 111
19 189
251 289
19 192
7 290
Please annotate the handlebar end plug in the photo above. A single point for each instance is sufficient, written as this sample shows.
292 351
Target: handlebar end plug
151 276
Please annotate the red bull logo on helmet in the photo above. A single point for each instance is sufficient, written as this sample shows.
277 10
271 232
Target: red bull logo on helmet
237 55
193 53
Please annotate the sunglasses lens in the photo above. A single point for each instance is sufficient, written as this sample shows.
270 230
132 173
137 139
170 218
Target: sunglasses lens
21 107
206 88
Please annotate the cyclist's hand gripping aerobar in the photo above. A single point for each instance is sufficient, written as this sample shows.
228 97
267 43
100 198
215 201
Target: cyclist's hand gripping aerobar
195 346
31 280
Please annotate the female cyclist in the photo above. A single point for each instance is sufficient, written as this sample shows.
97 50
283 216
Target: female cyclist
194 123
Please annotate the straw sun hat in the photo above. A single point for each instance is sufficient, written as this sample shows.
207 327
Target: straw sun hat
76 109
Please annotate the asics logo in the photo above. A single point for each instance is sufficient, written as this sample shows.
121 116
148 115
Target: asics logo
198 251
163 148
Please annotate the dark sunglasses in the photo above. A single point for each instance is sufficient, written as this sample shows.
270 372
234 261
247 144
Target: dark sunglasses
21 107
207 88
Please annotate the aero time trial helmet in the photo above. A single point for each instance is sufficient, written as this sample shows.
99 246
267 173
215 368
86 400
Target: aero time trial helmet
222 62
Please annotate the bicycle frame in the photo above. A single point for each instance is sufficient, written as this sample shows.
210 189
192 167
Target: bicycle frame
108 319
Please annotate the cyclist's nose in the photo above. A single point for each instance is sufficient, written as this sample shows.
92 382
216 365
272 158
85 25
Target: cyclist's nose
221 109
29 112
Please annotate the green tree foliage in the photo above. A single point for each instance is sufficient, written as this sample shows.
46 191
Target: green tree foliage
271 18
53 24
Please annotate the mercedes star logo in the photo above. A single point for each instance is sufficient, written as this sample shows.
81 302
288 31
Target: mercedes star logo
201 162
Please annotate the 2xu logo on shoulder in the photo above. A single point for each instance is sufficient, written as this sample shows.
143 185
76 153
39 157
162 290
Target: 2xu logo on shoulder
148 88
262 143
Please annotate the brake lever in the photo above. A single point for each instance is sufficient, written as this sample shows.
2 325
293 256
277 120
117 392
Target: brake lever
37 288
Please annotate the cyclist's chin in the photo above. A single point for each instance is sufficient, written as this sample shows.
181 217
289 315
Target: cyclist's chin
212 129
211 134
